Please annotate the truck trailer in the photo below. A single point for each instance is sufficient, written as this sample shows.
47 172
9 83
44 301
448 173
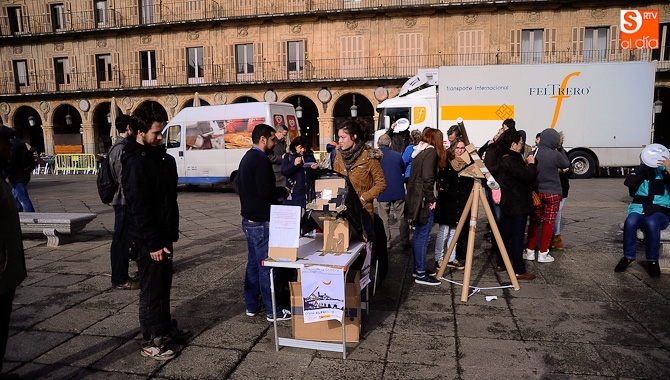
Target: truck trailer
603 109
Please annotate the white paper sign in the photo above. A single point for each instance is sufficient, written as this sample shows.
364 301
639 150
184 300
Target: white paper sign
365 270
284 226
323 293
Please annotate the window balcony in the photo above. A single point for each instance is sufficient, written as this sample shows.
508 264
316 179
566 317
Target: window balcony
363 68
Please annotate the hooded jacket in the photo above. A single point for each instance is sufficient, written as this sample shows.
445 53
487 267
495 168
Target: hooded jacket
366 175
150 184
548 161
421 183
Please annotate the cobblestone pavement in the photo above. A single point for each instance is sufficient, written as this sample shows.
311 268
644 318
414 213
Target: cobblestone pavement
578 319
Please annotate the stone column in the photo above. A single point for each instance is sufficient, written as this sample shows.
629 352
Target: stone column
48 131
88 138
325 131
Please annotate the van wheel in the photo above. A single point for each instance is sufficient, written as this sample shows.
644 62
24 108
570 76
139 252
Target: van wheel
191 186
583 165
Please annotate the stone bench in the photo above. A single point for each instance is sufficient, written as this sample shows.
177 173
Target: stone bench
54 225
664 254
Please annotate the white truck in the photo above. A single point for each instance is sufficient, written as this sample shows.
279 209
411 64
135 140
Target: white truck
603 109
208 142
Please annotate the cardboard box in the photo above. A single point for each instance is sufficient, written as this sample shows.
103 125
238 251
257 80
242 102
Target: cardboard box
329 331
283 254
335 235
329 193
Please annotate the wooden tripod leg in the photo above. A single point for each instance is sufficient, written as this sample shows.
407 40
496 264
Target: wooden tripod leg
459 230
477 188
499 241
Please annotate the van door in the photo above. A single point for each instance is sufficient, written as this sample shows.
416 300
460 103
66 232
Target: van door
175 147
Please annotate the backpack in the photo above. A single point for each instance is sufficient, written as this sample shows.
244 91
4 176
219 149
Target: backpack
107 184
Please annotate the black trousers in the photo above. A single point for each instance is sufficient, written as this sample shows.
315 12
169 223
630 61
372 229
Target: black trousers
5 312
155 285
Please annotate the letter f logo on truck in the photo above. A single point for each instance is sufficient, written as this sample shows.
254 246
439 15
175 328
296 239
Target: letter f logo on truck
561 95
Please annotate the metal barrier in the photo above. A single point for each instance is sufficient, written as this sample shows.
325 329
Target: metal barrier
76 163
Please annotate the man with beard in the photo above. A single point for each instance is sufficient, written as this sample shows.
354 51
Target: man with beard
256 185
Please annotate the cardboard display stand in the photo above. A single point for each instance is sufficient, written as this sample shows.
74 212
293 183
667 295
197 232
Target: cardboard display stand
284 232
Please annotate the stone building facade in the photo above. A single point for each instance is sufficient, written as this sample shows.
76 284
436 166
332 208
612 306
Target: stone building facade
65 62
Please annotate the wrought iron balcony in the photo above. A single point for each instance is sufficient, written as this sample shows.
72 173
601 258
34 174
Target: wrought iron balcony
368 68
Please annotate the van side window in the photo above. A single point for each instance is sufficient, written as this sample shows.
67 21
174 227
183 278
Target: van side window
174 136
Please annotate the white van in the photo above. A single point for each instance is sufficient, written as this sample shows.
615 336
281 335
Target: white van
208 142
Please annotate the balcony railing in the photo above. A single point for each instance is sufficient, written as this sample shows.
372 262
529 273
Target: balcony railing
180 11
368 68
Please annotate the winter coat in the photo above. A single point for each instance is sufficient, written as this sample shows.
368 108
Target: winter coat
256 186
407 159
12 259
421 183
453 192
366 176
276 159
21 164
649 189
150 184
300 179
394 173
516 180
548 161
399 140
114 159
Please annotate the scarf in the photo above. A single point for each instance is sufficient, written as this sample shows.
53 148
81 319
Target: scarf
352 154
458 164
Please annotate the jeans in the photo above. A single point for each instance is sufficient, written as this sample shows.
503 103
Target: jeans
651 225
420 243
445 234
117 255
513 231
155 285
257 276
20 193
384 209
557 224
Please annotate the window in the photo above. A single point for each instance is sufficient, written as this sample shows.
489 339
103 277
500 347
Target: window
101 13
173 136
21 73
195 69
146 11
15 15
351 56
410 51
244 61
532 41
103 67
595 43
148 68
471 47
57 17
296 56
62 70
663 53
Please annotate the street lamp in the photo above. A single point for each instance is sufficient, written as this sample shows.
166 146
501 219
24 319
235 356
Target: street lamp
298 109
353 108
658 107
68 118
31 121
109 118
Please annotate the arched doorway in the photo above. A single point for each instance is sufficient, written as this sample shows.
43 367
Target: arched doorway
28 126
245 99
309 122
102 127
68 133
343 109
662 119
155 106
190 103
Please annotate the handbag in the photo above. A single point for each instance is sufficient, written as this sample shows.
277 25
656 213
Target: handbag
536 199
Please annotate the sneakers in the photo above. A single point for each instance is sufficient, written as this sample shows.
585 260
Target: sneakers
251 313
157 350
177 333
428 272
624 263
456 264
654 269
128 285
545 257
529 254
282 315
424 279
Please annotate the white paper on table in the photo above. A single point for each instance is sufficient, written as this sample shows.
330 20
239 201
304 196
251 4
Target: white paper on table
284 226
323 293
365 270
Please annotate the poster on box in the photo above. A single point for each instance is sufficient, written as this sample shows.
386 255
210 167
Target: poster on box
322 293
365 270
284 226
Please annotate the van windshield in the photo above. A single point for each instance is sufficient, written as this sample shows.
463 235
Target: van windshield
394 114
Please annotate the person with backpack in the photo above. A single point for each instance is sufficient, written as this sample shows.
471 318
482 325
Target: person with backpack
120 262
21 165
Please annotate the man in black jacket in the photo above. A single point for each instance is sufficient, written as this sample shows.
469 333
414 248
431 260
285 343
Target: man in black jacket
256 184
149 179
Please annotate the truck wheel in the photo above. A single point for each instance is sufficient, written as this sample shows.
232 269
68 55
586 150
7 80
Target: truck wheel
583 165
